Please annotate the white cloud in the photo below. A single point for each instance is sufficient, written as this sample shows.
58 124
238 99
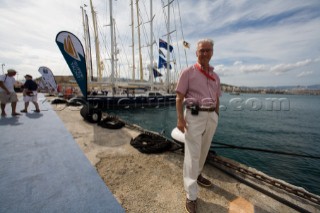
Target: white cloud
252 38
237 63
304 73
255 68
283 68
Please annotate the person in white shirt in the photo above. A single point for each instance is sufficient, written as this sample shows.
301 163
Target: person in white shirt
7 93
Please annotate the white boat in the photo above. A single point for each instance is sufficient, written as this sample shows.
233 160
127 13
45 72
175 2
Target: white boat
144 63
128 94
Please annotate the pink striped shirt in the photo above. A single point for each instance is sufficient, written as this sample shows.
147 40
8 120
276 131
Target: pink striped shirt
197 88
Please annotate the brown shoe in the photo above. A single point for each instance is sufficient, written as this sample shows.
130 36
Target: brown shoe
203 181
191 206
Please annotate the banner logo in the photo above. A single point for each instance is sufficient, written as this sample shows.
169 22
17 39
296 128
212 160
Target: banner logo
69 48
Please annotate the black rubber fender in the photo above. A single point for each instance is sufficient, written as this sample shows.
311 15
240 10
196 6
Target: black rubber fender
150 143
77 101
90 114
111 123
58 101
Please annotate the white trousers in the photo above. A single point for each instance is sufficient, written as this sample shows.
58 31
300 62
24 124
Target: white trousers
199 134
33 98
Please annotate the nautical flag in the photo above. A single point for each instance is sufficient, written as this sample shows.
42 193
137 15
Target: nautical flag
156 73
162 63
161 53
48 78
186 44
72 51
164 45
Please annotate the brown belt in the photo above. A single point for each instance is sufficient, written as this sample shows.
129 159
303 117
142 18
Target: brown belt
206 109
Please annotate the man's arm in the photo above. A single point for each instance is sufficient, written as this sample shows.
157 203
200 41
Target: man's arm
25 89
4 87
217 106
181 123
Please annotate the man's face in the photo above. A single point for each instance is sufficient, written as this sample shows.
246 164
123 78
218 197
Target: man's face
204 53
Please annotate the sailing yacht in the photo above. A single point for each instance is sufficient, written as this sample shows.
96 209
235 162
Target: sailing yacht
134 94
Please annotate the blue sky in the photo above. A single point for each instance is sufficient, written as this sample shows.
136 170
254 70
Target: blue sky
257 43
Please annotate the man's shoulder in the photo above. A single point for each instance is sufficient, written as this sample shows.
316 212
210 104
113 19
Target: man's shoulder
187 69
216 75
190 68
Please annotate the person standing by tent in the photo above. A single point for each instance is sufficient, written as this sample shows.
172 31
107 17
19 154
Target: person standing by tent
7 93
30 94
199 90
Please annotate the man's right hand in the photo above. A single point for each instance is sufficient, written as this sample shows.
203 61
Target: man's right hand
182 125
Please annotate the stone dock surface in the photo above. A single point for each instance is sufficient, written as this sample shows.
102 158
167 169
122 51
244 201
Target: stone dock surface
55 161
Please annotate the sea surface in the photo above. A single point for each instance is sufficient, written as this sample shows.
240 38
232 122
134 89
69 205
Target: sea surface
285 123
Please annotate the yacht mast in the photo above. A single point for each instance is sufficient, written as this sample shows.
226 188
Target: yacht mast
94 19
112 49
132 37
116 52
139 39
85 37
89 47
168 48
151 48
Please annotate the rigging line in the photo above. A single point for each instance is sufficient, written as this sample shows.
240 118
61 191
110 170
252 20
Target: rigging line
144 5
176 32
185 52
105 53
123 58
144 31
103 39
146 34
122 45
262 150
180 19
143 26
159 25
167 23
159 29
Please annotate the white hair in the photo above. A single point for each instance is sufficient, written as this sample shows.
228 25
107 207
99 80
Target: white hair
205 40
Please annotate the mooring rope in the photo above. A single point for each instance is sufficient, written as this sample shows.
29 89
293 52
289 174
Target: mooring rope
224 145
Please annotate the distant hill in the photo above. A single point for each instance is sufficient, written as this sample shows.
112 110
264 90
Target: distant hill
310 90
316 86
309 87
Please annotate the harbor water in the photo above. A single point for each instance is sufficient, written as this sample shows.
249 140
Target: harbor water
281 123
